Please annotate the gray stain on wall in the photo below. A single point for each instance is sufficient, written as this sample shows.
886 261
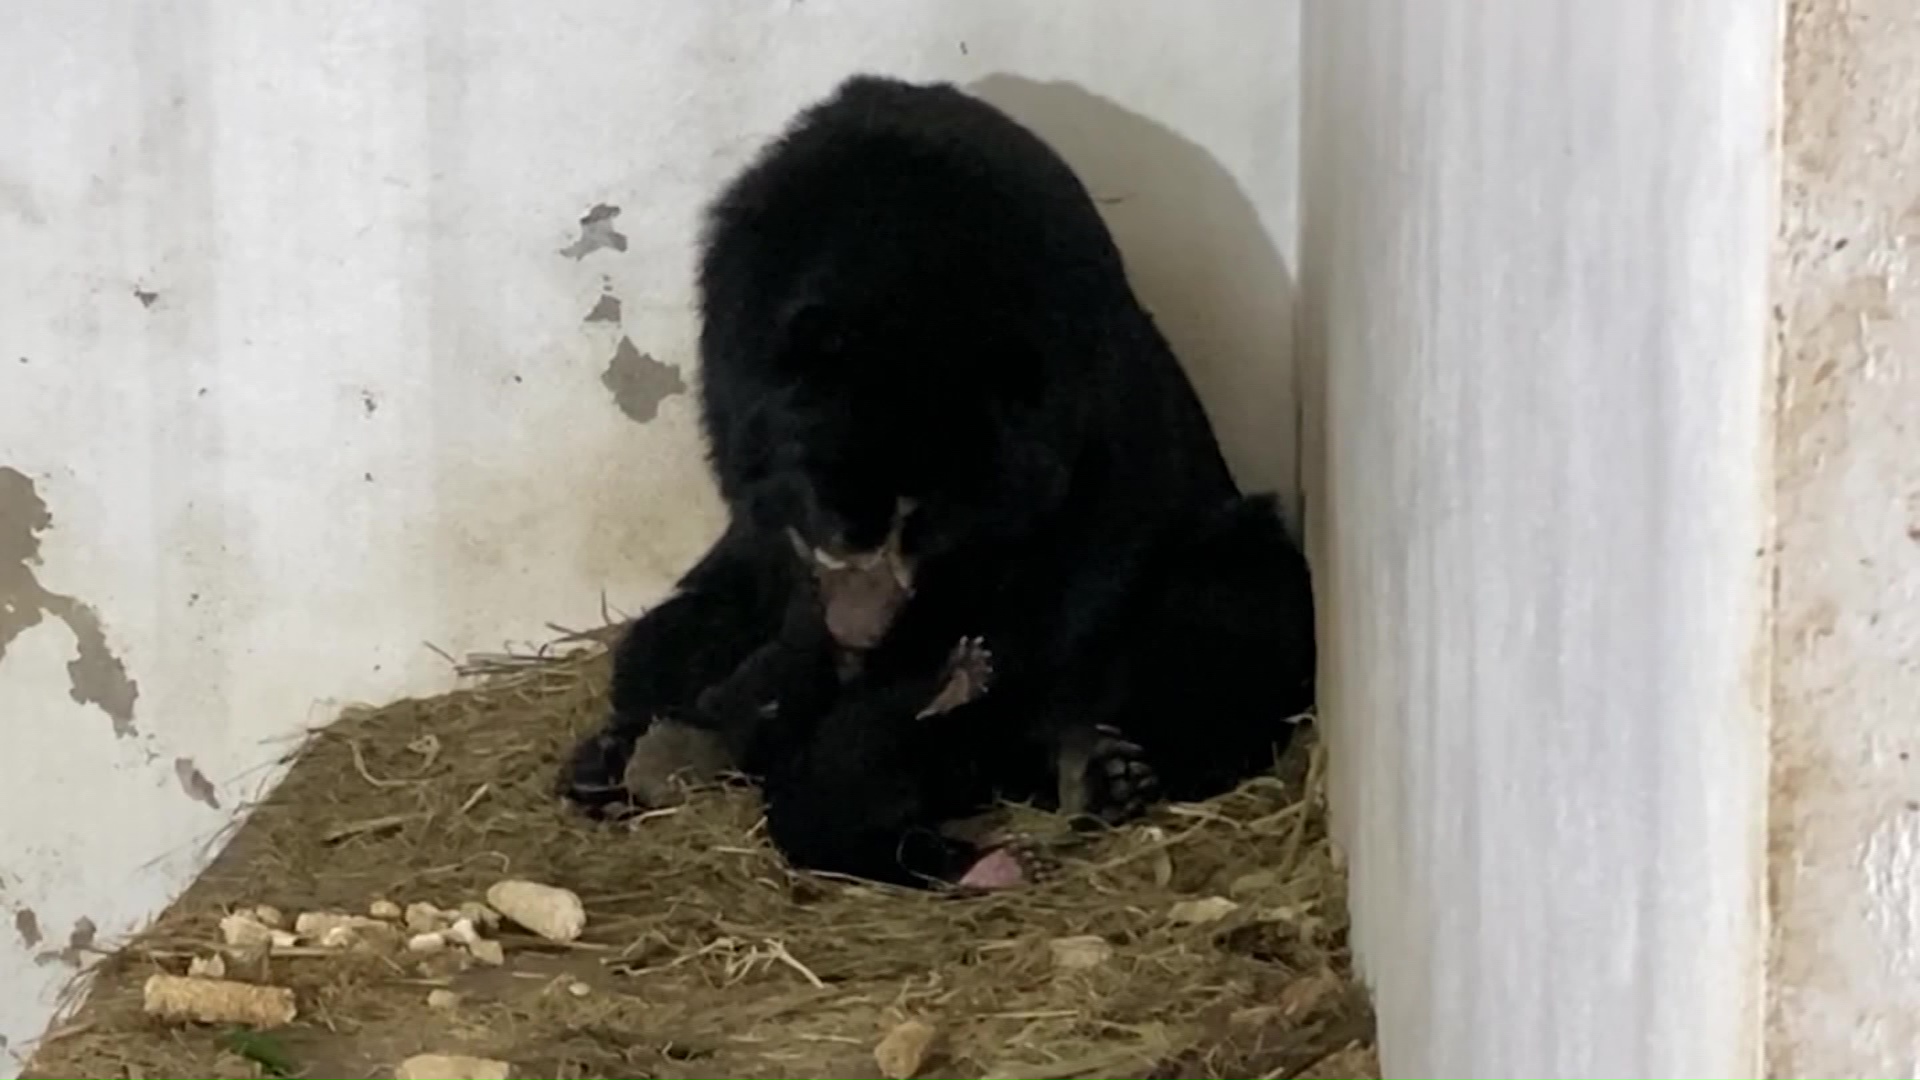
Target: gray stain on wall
195 783
596 232
80 942
606 310
26 923
16 200
639 383
95 676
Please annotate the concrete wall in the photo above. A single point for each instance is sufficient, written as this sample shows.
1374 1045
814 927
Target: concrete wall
1534 292
307 357
1846 772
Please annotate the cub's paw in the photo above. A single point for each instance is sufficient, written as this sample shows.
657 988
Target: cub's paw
969 673
1014 863
1107 779
593 777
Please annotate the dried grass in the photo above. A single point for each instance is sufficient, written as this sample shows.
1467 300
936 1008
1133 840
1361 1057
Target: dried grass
706 956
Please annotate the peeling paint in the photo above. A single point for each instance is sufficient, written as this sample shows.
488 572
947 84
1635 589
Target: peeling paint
80 942
596 232
26 923
639 383
96 675
607 310
195 783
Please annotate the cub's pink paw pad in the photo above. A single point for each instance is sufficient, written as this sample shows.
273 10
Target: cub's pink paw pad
998 869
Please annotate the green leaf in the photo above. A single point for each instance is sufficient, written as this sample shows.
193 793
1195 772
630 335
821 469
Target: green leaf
262 1050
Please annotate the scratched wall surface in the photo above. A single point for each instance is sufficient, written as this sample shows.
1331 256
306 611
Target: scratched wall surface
1846 784
1534 248
329 330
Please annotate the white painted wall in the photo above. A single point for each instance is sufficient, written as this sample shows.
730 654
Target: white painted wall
1534 291
1845 963
364 408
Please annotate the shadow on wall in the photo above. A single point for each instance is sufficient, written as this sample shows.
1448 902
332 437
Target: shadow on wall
1199 258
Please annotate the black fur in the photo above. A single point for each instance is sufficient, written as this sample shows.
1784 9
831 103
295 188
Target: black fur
911 296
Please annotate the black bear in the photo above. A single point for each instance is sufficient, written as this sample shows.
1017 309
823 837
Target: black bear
919 348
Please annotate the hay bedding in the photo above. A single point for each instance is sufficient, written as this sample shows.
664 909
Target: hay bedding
1207 941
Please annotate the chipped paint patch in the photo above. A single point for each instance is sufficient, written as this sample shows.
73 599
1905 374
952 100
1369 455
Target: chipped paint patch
26 923
96 675
597 233
23 517
639 383
80 942
195 783
607 310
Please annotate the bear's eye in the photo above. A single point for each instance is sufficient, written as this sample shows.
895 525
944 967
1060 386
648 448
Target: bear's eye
815 342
